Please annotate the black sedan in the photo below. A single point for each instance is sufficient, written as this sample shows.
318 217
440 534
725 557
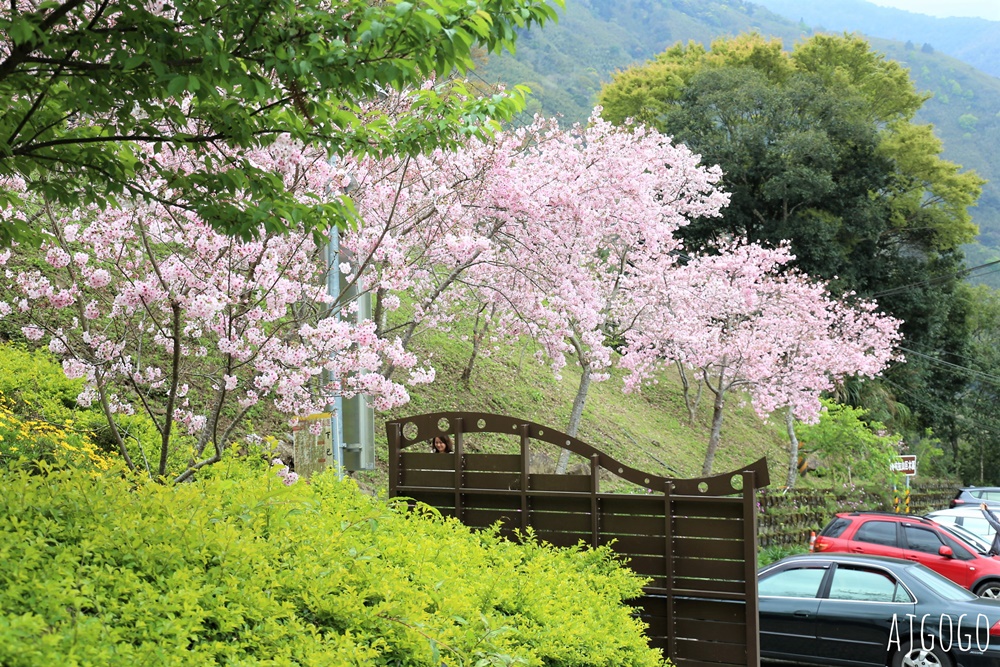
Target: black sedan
844 609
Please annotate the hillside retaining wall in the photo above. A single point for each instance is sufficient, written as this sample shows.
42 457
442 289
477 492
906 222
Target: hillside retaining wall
787 516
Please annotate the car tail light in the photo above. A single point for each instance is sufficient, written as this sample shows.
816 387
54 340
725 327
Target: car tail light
995 630
956 501
820 544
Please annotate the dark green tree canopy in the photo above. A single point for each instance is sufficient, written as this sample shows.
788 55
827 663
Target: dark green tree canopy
95 88
818 148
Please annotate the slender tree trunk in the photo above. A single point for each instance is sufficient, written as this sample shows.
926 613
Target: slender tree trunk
718 407
477 338
716 437
689 403
379 316
793 450
575 416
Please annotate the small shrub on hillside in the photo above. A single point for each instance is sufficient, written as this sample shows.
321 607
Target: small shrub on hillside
38 392
26 441
242 570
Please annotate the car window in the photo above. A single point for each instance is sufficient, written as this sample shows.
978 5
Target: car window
799 582
835 527
922 539
942 586
990 495
877 532
977 525
959 549
866 585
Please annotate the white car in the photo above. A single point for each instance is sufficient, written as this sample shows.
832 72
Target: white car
970 518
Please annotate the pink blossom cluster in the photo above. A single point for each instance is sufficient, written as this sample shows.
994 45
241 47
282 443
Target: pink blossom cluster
147 301
288 477
747 320
552 229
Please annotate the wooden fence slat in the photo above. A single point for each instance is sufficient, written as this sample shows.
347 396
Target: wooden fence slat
428 461
687 547
561 521
579 483
434 479
615 524
492 480
493 462
702 527
718 652
711 570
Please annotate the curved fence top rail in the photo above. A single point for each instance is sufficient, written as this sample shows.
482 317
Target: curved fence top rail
421 428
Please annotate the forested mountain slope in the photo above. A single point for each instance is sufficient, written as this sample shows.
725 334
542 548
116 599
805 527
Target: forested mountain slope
567 63
971 40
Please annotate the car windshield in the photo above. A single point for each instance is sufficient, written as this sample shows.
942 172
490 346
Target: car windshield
945 588
967 536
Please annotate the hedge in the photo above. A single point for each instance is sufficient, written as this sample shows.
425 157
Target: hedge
239 569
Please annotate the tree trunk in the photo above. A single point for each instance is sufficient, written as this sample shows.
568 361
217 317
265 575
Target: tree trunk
717 411
716 437
477 338
575 416
793 450
689 403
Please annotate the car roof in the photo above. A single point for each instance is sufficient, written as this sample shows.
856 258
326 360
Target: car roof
842 557
957 511
881 514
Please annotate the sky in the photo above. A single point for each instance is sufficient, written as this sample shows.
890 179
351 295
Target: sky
987 9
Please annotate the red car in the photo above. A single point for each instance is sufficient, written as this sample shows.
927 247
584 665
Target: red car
912 538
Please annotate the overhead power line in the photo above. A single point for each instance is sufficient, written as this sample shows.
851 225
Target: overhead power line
988 377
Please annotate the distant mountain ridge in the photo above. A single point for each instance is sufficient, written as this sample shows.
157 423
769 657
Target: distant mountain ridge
567 63
971 40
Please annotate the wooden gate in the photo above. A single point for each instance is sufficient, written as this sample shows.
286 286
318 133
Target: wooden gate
695 539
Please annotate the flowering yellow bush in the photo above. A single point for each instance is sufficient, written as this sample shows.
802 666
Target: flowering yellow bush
33 440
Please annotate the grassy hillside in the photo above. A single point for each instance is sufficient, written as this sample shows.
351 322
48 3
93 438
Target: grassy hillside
649 431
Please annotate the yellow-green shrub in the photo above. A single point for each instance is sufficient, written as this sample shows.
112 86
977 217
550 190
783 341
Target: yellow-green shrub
27 440
36 390
242 570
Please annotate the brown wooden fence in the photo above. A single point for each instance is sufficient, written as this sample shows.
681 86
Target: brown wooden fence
695 539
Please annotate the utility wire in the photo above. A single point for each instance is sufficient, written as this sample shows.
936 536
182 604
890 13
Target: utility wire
988 377
938 279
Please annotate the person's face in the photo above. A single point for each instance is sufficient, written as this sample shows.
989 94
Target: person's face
439 444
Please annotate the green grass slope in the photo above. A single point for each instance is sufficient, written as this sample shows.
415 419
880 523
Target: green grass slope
649 431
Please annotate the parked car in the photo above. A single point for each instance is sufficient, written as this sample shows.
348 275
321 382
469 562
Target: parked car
974 495
912 538
970 518
966 535
846 609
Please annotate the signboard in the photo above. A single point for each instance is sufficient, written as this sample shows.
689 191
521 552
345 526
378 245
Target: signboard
906 464
313 452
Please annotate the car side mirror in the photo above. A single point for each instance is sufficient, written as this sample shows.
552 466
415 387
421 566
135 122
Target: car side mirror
946 552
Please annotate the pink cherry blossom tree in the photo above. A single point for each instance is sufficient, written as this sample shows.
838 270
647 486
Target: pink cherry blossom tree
749 322
546 231
157 312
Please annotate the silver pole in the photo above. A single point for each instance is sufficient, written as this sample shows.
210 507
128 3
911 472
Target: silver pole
336 405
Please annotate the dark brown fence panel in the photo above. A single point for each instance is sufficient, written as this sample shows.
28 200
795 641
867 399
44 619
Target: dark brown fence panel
694 539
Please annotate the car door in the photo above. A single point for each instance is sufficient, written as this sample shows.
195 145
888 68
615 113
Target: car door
923 545
857 613
787 603
877 538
